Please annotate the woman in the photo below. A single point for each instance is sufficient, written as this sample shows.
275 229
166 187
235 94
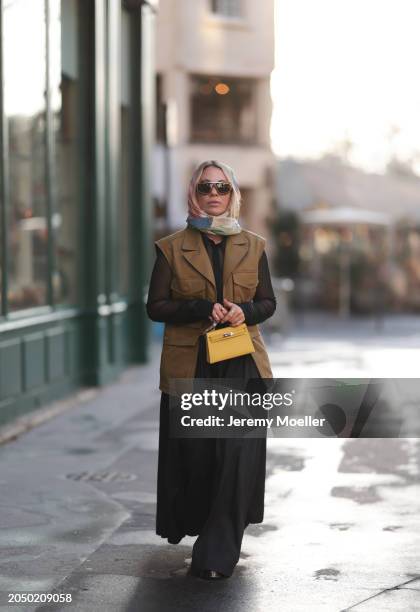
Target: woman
212 270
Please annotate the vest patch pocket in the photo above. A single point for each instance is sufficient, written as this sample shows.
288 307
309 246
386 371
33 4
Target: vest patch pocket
244 285
188 288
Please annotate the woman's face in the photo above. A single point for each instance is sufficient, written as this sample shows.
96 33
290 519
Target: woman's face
213 203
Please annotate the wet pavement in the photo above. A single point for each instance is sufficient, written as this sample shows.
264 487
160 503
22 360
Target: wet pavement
342 521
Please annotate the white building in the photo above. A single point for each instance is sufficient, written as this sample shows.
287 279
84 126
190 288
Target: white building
213 62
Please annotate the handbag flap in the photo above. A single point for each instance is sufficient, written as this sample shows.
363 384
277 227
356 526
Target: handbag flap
222 334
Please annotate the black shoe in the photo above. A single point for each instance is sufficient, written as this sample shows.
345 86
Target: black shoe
208 574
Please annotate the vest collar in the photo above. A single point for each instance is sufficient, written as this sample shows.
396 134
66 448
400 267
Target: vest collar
194 251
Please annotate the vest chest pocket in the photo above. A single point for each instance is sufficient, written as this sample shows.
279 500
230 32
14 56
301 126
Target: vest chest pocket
244 286
188 288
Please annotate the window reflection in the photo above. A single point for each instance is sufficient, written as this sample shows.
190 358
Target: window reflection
25 66
24 103
64 59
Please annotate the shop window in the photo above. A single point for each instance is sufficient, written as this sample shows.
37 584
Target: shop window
32 173
24 48
223 110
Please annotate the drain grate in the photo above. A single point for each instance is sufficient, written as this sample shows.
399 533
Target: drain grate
101 476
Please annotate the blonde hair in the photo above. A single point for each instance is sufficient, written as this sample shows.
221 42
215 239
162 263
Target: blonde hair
234 207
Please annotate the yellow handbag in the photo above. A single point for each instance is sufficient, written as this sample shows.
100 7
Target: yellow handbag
228 342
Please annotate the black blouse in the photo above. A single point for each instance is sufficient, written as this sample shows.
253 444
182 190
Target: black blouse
160 307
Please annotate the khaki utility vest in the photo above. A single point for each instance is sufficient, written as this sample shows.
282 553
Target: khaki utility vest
192 277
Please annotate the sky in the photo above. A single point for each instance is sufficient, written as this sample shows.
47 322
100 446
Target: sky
347 70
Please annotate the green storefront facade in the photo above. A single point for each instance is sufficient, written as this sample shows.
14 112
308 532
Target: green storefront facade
77 125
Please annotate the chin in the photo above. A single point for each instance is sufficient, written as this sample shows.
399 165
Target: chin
215 211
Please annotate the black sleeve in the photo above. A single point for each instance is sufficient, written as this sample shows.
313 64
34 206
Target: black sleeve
160 306
263 305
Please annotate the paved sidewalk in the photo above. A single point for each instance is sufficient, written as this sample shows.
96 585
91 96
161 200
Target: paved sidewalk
77 503
326 346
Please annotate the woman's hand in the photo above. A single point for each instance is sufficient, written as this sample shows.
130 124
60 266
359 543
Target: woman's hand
218 312
235 315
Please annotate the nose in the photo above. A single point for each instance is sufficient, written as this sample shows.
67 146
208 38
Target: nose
213 189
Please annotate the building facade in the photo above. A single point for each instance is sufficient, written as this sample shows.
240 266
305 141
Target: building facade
214 60
77 107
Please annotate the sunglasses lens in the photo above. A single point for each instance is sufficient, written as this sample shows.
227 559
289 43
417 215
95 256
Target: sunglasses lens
204 188
221 188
